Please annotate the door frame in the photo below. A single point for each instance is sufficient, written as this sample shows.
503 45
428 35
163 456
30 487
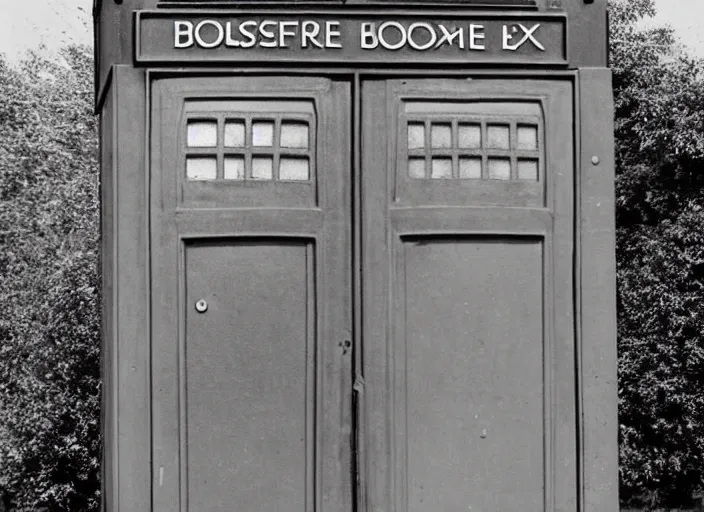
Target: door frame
325 229
383 241
594 253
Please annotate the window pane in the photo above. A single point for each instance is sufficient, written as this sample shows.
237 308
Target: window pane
470 136
441 136
527 137
293 169
202 134
528 170
234 134
498 136
441 168
262 168
499 169
416 136
294 135
262 133
471 168
234 168
201 168
416 168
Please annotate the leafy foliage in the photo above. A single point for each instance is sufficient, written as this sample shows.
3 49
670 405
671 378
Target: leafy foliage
659 100
49 286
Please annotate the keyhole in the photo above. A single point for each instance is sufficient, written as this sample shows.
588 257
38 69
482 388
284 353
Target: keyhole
201 306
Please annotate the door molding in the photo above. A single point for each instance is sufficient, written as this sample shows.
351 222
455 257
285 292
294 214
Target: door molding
391 222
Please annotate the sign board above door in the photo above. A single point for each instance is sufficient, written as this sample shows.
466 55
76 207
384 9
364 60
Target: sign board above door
352 37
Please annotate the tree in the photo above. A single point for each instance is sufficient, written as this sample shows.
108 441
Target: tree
49 285
659 101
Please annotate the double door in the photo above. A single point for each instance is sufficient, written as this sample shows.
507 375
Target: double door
374 318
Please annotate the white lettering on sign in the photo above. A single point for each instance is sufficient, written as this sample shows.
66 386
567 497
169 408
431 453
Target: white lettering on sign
527 36
282 35
369 40
217 41
420 36
309 32
384 33
447 37
229 41
430 33
332 30
390 35
250 33
250 37
476 36
269 38
181 29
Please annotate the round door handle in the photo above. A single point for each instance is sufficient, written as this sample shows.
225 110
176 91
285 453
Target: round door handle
201 306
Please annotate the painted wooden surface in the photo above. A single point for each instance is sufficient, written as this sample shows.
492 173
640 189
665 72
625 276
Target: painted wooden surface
468 327
597 298
125 347
470 380
108 416
474 281
251 398
115 26
249 367
473 372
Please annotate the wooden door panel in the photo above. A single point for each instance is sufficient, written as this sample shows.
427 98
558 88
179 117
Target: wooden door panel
467 293
474 358
250 368
250 212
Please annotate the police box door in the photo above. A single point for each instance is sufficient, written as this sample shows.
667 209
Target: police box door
467 252
251 310
466 391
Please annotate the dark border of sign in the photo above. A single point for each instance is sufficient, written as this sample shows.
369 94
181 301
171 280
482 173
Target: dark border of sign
351 12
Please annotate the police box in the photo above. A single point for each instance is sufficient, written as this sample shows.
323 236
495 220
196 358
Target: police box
357 256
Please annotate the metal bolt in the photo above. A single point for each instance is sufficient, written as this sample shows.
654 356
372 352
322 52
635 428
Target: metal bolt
483 434
595 160
201 306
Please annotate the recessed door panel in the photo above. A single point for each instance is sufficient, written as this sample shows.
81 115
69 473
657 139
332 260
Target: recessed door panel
250 367
474 357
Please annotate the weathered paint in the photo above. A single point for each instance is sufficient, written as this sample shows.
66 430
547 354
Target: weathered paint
125 263
435 343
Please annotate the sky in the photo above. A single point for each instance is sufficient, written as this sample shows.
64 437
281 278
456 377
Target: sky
686 17
28 24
